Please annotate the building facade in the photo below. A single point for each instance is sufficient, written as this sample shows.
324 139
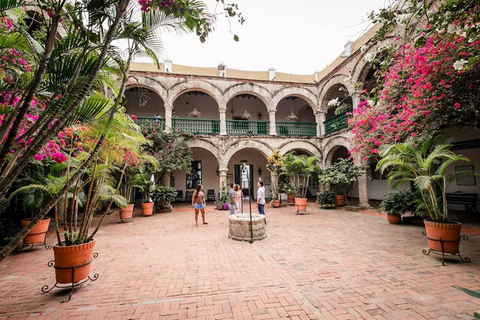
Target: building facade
242 117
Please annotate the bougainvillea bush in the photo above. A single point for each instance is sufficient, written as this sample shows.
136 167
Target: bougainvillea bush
431 77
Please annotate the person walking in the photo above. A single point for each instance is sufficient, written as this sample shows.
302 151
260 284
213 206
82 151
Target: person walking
261 198
232 204
239 199
198 203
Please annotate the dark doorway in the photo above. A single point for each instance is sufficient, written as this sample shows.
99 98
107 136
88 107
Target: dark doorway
238 178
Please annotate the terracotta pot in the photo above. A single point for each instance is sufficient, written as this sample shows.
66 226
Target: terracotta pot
276 203
79 256
340 200
446 231
394 218
147 208
126 214
301 204
38 232
290 198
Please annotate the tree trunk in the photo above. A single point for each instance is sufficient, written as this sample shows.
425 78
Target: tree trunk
168 178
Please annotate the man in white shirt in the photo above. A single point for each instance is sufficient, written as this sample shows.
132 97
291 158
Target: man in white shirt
261 198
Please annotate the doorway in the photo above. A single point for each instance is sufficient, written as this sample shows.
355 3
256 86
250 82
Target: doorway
238 178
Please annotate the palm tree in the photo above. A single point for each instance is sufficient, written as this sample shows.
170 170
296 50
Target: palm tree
425 165
299 169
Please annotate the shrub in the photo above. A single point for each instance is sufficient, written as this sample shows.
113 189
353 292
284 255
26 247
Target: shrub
164 194
326 198
399 202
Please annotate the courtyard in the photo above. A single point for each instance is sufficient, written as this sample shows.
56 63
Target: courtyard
329 264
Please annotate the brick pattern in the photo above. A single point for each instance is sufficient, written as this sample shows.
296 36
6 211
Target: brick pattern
329 264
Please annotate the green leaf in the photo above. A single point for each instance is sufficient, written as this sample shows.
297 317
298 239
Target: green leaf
236 38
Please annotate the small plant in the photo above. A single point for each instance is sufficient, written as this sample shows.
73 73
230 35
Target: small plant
399 202
163 195
326 198
299 169
341 176
145 183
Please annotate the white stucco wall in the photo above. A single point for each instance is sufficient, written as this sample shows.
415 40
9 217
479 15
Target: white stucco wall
154 103
251 104
185 103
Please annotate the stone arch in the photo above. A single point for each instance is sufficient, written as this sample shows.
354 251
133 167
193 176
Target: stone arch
147 83
206 145
299 92
332 145
247 88
238 145
195 85
300 145
336 80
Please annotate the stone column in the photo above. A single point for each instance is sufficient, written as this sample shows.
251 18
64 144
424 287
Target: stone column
223 122
321 117
363 190
274 181
168 118
356 99
273 123
223 178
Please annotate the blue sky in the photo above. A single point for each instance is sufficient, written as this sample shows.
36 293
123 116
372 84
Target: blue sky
299 36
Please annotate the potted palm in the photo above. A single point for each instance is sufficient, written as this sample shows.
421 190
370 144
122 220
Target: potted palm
340 176
145 182
425 165
299 169
126 190
395 204
326 199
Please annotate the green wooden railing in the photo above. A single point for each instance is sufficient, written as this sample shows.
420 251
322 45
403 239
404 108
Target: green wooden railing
288 128
196 126
337 122
248 128
151 123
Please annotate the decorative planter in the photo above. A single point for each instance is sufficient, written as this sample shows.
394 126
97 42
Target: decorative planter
79 256
147 208
38 232
340 200
290 198
126 214
301 204
449 233
394 218
276 203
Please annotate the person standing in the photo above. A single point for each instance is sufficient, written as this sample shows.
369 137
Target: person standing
261 197
198 203
239 198
232 204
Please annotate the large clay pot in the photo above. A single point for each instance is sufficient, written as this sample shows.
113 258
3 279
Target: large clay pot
126 213
340 200
38 232
301 204
449 232
290 198
79 256
394 218
276 203
147 208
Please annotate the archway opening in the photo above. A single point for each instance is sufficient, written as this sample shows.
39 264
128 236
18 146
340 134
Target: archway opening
147 106
204 171
247 115
257 164
34 22
196 112
340 153
370 79
337 100
295 117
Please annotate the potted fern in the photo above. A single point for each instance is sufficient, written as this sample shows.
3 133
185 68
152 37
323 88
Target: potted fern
397 203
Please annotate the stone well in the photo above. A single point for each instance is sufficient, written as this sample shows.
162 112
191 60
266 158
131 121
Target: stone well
240 227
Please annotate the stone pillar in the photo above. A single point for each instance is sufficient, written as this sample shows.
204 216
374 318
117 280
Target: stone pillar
321 117
363 190
168 118
273 123
356 99
223 179
223 122
274 182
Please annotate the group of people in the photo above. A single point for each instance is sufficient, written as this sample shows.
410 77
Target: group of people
235 200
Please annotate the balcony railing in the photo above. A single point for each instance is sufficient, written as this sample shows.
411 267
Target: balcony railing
248 128
337 122
304 129
197 126
151 123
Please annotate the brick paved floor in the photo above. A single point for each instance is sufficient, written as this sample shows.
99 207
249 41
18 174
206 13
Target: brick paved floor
330 264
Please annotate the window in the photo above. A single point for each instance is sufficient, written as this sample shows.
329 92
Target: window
194 178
